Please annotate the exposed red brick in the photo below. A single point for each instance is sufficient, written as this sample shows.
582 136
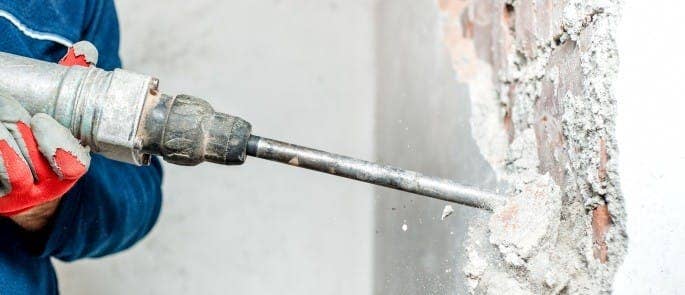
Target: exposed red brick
602 160
601 222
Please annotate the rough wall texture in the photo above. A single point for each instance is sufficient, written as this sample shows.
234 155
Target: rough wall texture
540 76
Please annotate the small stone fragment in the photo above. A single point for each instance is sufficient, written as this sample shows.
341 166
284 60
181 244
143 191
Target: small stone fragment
447 211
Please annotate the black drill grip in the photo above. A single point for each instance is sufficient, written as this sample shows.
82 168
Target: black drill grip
185 130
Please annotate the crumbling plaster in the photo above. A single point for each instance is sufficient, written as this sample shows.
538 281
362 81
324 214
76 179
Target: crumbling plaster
540 77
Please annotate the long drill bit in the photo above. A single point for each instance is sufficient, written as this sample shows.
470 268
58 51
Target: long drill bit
123 116
379 174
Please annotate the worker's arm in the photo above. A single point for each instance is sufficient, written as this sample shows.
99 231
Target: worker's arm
107 210
115 204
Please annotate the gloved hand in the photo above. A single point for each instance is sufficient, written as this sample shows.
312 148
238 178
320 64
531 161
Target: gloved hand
40 159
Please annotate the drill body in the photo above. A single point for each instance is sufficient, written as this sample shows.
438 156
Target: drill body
122 115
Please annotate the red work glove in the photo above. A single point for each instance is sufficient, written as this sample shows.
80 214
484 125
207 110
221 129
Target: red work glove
40 159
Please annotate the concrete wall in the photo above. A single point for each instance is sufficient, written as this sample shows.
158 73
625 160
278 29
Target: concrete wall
652 157
422 123
540 77
301 71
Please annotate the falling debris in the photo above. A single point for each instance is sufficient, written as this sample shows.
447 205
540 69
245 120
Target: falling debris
447 211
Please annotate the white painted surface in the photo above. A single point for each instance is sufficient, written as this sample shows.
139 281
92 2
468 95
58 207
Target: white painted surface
299 71
651 138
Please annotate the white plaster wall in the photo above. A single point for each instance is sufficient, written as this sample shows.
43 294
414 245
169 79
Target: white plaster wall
651 138
298 70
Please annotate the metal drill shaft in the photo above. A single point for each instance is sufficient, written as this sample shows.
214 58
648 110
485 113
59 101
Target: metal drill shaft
383 175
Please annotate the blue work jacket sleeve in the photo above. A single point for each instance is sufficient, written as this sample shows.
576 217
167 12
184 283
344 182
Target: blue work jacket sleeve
113 206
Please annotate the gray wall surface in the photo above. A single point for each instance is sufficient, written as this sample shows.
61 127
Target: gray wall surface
422 123
330 75
301 71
